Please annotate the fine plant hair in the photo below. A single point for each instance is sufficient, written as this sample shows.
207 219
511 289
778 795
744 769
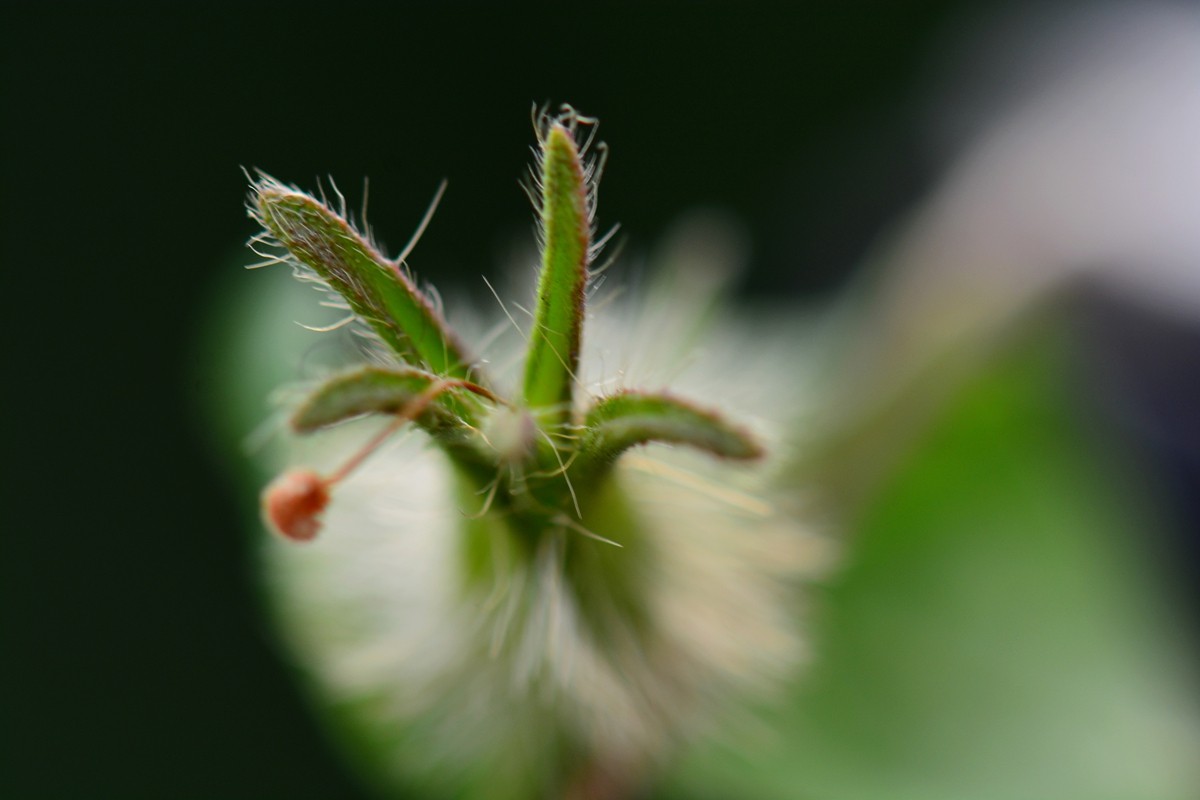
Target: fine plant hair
513 602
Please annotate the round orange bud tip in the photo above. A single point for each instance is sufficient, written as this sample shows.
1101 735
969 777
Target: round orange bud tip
293 502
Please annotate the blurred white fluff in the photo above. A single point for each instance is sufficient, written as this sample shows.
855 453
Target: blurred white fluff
485 685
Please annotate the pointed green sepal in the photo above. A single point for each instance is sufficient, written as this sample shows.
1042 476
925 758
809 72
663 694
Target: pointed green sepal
554 343
441 406
616 423
376 289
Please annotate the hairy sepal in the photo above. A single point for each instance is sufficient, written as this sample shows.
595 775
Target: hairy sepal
553 356
621 421
376 289
444 409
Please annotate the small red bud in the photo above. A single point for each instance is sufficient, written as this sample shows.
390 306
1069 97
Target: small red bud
292 503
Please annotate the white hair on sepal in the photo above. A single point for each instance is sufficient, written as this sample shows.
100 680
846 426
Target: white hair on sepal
388 618
593 156
341 209
399 260
266 246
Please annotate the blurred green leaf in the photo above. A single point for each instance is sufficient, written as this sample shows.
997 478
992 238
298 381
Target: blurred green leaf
995 634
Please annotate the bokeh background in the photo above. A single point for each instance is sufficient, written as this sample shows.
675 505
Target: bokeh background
1000 204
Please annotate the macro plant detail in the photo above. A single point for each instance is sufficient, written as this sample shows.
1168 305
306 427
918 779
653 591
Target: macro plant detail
523 608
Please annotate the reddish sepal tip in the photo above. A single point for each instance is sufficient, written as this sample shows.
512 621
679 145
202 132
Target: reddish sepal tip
293 502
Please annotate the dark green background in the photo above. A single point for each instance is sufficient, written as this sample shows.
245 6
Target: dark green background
136 662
